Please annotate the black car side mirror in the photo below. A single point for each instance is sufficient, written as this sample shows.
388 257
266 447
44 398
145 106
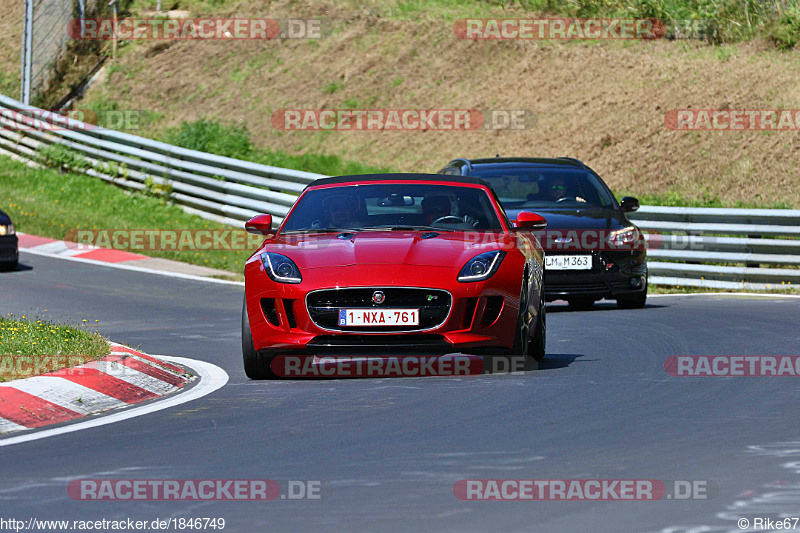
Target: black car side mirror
629 203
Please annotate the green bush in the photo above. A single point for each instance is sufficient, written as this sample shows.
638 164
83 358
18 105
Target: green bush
62 158
729 20
211 136
233 141
785 32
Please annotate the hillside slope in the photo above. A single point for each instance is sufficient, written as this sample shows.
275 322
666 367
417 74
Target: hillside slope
603 102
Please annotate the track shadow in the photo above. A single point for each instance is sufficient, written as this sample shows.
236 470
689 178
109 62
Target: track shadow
515 363
563 307
21 267
559 360
308 367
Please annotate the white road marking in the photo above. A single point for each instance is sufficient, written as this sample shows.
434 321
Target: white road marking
132 268
212 378
759 294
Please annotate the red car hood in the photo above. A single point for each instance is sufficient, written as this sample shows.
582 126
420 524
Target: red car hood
449 249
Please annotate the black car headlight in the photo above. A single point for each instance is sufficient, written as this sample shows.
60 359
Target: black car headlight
481 266
280 268
7 229
625 238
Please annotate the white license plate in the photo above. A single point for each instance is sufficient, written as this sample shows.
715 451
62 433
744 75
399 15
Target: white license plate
378 317
568 262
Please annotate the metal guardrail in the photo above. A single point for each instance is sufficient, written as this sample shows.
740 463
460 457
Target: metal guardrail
722 248
704 247
231 189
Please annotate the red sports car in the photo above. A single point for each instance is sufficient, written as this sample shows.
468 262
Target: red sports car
394 263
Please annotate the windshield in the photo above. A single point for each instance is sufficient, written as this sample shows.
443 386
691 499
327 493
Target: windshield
394 206
546 188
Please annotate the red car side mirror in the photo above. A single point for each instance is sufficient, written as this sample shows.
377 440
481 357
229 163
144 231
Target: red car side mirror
530 221
259 225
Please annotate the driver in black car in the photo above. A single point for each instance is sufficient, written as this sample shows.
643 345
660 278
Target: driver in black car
557 189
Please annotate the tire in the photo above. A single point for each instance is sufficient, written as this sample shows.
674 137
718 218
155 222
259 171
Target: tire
522 337
8 266
633 301
581 303
539 342
256 366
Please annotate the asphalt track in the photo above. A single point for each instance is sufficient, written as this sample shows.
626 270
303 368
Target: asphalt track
388 451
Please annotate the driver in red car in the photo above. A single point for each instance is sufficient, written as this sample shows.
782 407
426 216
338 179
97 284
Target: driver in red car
338 212
435 207
443 208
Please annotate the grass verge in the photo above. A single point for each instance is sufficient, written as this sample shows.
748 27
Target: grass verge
705 198
47 203
30 347
687 289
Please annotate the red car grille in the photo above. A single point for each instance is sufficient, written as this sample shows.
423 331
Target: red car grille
433 304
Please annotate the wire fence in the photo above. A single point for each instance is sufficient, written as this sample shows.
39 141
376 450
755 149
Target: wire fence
46 39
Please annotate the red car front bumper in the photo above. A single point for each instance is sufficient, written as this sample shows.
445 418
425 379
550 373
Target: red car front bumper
481 316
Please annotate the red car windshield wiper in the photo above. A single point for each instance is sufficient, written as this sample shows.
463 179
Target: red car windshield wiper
400 227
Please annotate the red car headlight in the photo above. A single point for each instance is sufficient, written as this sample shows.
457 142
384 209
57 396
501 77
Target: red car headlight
280 268
481 266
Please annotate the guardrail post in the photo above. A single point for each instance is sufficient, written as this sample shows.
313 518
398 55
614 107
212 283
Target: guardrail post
751 264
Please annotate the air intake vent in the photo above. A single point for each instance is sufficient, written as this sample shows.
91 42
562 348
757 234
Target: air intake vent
268 308
494 304
469 312
288 306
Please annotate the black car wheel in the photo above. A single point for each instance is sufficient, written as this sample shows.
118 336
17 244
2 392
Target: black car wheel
581 303
632 301
522 337
8 266
256 366
538 345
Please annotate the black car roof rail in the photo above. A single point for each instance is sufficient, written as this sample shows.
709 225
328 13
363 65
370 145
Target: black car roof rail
573 159
465 160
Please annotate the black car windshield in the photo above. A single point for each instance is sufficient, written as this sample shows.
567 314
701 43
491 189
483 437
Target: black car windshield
395 206
546 188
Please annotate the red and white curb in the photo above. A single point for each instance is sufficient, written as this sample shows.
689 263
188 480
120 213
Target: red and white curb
32 243
123 378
